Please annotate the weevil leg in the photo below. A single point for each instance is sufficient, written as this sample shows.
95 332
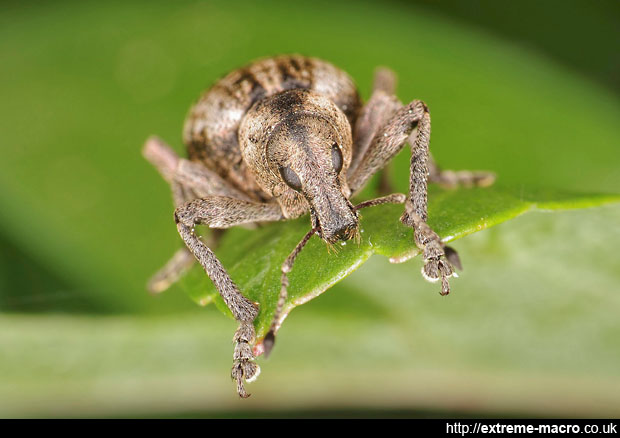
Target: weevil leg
179 264
188 180
436 265
394 198
450 179
161 156
381 106
385 144
286 268
384 80
195 180
412 122
225 212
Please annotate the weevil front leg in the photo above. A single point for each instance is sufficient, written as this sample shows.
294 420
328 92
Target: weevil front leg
436 265
188 180
224 212
411 122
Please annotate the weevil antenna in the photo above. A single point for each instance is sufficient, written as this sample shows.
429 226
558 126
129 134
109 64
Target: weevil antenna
270 338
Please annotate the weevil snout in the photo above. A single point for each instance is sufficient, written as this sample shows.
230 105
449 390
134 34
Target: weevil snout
332 213
334 216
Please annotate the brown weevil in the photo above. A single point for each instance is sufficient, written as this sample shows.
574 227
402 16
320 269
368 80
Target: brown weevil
282 137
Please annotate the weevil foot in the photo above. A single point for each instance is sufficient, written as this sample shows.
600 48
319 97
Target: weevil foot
244 368
437 267
438 258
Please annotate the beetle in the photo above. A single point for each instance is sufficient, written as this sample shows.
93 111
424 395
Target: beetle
286 136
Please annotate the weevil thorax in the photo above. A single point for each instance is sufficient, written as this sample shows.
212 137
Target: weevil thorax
298 144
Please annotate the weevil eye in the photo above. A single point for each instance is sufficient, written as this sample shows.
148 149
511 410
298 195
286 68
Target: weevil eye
336 157
290 178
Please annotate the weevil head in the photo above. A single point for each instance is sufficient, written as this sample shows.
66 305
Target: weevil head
307 152
298 143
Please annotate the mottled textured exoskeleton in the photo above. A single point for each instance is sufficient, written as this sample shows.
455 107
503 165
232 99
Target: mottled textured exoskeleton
283 137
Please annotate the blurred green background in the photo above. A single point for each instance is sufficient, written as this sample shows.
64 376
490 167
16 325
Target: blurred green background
527 89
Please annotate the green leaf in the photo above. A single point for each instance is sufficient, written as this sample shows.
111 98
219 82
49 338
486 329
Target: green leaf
253 258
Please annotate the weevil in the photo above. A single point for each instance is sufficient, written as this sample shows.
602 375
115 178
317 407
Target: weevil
283 137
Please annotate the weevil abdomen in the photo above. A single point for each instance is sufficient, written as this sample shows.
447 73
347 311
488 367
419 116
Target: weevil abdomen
212 125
